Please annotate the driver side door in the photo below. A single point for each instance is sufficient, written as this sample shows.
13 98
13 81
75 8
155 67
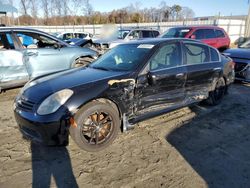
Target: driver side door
41 57
162 85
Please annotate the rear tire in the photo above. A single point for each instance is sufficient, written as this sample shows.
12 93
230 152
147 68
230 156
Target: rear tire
83 61
216 96
98 125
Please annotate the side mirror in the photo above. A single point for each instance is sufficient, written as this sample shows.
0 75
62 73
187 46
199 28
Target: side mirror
152 79
193 37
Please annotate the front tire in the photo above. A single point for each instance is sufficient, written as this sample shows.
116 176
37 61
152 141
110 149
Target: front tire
216 96
98 125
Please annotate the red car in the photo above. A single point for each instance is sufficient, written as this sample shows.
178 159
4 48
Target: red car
211 35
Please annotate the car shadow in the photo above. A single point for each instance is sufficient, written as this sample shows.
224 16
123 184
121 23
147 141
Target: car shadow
216 148
51 162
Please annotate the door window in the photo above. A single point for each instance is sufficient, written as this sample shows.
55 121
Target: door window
199 34
167 56
147 34
80 35
209 33
134 34
219 34
35 40
6 42
196 53
67 36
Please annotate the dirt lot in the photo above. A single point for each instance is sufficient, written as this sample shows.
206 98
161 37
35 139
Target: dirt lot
192 147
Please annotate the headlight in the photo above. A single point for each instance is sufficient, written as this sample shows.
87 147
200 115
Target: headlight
54 102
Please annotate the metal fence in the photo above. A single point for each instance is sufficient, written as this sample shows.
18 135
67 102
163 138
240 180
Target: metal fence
234 27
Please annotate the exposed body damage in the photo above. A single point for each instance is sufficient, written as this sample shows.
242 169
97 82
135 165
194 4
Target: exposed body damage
128 84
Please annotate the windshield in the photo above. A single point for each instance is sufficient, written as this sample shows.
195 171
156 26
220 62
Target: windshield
175 33
122 34
245 44
123 57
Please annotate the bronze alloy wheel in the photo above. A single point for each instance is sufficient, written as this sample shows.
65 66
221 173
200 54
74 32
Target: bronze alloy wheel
97 127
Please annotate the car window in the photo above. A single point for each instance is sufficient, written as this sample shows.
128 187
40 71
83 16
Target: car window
35 40
80 35
219 34
123 57
67 36
196 53
209 33
199 34
214 55
6 42
167 56
147 34
176 33
156 33
135 34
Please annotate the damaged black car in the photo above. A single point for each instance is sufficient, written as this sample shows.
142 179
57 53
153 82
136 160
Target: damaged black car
130 83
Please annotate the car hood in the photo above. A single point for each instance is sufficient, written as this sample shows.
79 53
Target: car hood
41 87
241 53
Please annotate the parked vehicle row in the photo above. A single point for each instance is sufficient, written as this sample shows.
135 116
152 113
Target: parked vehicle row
28 53
132 82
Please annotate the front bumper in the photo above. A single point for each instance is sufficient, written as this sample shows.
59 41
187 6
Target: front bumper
44 130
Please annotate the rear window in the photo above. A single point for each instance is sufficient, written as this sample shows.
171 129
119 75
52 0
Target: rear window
176 33
219 34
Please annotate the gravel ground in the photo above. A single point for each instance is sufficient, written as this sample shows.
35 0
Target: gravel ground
192 147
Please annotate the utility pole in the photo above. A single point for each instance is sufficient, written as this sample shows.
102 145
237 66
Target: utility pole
247 33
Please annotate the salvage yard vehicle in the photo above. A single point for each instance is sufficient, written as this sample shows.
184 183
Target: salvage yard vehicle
130 83
71 35
124 35
211 35
27 53
241 57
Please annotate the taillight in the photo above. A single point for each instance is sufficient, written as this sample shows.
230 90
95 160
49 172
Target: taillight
232 64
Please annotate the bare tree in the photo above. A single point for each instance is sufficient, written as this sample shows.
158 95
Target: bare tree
34 4
24 6
45 7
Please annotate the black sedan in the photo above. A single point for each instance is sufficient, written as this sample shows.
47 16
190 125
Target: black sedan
241 57
128 84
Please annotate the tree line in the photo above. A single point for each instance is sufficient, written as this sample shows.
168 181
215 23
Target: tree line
80 12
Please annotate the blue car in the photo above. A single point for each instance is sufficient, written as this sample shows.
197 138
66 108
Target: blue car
29 53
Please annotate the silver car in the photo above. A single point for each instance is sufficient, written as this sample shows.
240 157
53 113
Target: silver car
28 53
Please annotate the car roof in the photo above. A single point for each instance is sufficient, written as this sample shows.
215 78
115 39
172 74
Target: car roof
199 27
156 41
6 29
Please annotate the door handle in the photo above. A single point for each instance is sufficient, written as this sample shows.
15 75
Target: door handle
217 68
179 75
32 53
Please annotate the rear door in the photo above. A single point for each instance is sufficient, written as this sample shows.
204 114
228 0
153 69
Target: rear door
12 68
166 68
203 67
207 36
